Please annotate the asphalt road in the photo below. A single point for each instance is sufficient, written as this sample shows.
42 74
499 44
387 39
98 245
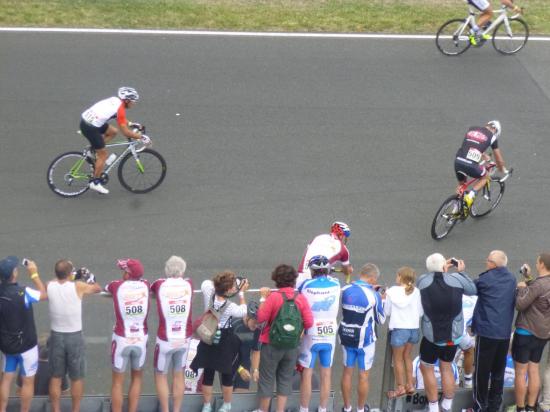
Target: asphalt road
267 141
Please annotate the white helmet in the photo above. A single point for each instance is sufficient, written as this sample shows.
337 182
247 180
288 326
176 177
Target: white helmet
128 93
495 124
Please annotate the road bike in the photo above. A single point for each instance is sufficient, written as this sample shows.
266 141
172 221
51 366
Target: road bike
454 208
140 169
510 34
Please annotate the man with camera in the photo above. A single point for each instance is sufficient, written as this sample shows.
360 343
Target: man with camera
442 324
531 334
18 340
66 346
492 325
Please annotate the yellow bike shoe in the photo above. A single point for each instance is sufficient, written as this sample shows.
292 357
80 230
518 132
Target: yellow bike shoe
469 199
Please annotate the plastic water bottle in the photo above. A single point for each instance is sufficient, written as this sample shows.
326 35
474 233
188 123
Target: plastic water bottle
110 159
216 338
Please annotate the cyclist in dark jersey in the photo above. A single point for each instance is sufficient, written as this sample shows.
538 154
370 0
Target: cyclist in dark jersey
472 153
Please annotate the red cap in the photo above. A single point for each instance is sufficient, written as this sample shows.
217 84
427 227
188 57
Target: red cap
133 267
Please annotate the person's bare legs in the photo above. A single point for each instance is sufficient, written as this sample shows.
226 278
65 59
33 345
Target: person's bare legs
161 383
347 375
264 404
54 390
407 361
362 388
77 390
447 379
27 393
134 392
116 391
281 403
533 385
325 387
430 382
305 387
178 389
520 386
398 366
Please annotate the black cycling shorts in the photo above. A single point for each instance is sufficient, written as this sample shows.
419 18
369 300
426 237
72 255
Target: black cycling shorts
430 352
465 168
527 348
94 134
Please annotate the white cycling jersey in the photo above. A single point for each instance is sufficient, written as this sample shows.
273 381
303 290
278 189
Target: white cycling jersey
103 111
325 245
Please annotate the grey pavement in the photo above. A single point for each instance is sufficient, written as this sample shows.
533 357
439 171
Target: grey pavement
267 141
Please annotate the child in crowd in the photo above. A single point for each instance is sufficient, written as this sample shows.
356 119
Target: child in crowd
404 309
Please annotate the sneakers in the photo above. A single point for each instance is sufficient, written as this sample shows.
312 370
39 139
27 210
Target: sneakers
226 407
467 384
98 187
206 407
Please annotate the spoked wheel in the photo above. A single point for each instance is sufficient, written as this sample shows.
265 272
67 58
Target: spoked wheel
509 39
488 198
446 217
69 174
453 38
143 174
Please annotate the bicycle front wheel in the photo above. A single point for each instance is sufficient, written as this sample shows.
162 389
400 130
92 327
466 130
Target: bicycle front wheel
69 174
509 39
446 217
488 198
143 174
452 38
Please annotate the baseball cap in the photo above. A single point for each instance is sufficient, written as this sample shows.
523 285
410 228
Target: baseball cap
7 265
133 267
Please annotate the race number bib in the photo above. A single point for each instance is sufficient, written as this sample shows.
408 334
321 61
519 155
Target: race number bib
474 155
89 116
324 328
134 309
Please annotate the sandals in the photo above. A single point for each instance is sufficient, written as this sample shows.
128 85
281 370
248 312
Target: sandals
409 389
397 393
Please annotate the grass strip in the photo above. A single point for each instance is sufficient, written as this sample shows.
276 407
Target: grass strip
380 16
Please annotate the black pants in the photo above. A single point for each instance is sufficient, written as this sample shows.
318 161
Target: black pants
490 363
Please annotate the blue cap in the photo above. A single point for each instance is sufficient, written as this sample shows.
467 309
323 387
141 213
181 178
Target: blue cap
7 265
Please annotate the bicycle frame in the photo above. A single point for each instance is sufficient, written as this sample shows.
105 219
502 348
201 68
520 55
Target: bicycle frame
471 19
464 186
131 148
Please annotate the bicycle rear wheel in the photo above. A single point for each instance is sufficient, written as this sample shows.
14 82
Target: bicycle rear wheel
69 174
452 38
446 217
144 174
488 199
510 40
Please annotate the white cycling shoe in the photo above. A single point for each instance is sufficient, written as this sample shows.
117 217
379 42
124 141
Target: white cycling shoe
99 188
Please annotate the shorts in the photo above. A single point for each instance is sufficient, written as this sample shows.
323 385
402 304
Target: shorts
67 355
430 352
27 362
400 337
465 168
128 350
527 348
479 4
94 134
310 352
276 368
364 357
467 341
170 356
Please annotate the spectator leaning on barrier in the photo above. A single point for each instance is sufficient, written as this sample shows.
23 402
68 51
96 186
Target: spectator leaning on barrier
467 342
277 364
532 332
404 308
129 342
66 345
18 340
543 269
442 324
492 325
223 354
174 296
361 308
319 342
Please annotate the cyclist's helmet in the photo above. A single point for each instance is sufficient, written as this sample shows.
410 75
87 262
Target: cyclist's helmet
128 93
495 124
319 265
340 229
252 309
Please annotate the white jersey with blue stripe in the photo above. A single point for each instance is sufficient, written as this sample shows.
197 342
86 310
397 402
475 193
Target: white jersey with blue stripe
361 308
323 296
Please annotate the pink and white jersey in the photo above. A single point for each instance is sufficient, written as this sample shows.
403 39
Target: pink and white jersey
173 307
104 110
131 304
326 245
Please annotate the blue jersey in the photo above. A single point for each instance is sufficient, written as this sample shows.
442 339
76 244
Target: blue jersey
361 308
323 296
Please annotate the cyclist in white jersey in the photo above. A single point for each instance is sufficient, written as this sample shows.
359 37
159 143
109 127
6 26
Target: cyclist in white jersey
333 246
131 305
323 295
173 295
95 127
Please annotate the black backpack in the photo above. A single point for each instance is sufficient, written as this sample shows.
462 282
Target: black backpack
17 331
